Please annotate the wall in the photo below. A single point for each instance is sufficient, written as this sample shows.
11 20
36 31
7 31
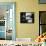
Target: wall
27 30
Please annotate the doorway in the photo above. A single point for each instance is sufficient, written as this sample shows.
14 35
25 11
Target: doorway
7 21
42 22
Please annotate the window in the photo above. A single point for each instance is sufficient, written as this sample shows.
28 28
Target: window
42 22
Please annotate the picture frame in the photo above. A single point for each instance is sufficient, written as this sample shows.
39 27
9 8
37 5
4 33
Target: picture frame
26 17
42 1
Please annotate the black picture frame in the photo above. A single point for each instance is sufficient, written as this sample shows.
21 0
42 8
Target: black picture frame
26 17
42 1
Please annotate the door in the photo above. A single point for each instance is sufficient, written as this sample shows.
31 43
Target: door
8 10
42 22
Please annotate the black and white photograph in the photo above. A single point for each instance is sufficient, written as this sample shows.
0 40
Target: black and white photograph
26 17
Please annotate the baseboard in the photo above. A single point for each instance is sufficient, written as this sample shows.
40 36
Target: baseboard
24 39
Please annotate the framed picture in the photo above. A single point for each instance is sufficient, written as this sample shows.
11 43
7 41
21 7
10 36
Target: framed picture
42 1
26 17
